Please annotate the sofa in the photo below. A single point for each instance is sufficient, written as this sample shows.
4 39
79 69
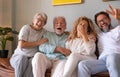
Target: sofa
7 71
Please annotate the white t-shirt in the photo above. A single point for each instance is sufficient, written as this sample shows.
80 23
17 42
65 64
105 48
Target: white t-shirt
30 35
109 42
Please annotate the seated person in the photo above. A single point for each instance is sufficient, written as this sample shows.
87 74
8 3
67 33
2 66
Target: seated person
108 45
52 53
30 37
81 44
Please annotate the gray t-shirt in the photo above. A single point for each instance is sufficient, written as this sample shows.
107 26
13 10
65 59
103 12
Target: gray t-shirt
30 35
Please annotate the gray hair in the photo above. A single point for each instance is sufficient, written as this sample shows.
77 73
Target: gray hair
54 20
41 14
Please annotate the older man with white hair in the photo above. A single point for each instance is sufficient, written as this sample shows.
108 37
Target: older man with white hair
52 53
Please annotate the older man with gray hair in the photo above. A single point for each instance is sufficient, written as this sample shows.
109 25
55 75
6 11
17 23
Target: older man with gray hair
52 53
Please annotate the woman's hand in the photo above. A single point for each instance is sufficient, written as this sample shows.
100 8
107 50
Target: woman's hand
92 37
83 33
42 41
26 44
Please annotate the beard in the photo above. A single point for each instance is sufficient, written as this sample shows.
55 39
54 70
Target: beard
106 29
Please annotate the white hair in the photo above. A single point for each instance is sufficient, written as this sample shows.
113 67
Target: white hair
41 14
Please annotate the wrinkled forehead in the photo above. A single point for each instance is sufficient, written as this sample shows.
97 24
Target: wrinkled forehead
59 19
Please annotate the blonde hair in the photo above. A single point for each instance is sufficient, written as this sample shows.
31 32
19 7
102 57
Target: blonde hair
90 29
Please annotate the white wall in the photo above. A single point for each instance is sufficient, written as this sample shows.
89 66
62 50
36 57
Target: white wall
6 12
25 10
7 5
1 9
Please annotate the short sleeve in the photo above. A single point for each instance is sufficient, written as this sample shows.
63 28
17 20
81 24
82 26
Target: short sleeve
24 32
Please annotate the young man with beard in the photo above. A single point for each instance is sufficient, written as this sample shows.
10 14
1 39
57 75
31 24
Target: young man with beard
52 53
108 45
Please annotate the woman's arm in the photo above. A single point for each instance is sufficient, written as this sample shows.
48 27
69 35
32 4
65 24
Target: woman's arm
25 44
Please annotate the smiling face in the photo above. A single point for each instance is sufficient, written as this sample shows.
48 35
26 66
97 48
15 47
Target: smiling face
103 23
59 25
39 21
102 19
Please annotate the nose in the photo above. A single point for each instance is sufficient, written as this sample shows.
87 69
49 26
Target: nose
101 22
40 22
58 24
82 24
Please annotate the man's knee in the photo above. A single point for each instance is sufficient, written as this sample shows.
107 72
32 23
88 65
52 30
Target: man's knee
38 58
38 55
113 59
82 65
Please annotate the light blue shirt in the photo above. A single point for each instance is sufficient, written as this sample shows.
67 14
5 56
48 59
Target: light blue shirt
49 47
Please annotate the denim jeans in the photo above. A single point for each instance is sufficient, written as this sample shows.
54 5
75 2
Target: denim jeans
110 62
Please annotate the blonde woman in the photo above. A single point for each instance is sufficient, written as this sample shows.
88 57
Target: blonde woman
81 44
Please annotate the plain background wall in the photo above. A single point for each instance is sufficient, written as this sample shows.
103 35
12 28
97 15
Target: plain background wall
25 10
1 12
6 13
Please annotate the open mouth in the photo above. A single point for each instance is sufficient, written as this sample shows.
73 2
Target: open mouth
59 28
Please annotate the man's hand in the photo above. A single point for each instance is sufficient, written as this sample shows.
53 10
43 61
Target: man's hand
114 12
62 50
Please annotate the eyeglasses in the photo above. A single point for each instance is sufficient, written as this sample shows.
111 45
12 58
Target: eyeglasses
102 20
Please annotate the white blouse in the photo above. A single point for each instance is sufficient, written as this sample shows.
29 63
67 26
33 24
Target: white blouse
79 46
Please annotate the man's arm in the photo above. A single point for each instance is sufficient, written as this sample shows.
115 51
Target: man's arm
114 12
62 50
